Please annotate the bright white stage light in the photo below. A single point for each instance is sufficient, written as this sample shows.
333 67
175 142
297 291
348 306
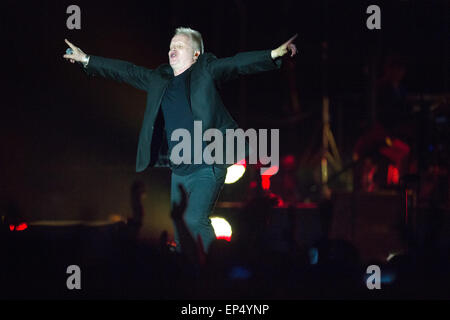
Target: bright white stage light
222 228
235 172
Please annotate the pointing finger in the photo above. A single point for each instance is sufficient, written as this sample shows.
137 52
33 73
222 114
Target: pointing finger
70 44
292 39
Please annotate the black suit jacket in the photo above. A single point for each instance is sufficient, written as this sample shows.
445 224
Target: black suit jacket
205 100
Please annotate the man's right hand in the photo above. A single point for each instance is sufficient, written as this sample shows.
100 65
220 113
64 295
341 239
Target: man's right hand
77 54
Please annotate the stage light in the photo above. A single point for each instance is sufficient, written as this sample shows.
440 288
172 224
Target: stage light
222 228
265 178
388 277
265 182
21 227
235 172
239 273
393 175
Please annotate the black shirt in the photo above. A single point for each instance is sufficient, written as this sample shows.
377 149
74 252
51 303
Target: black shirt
177 114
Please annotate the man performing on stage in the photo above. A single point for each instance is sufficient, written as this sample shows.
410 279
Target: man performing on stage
177 94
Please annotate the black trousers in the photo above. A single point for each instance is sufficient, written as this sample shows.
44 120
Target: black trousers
203 187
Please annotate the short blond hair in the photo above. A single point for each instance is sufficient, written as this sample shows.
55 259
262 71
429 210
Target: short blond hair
194 35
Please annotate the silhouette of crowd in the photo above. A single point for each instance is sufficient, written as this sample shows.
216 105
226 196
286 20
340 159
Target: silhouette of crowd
115 264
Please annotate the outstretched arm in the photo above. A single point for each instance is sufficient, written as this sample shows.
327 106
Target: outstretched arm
249 62
118 70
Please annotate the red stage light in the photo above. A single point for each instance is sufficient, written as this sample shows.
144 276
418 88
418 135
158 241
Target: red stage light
265 182
265 178
21 227
224 238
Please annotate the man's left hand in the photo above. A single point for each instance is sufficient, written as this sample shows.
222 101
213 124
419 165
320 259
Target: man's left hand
284 48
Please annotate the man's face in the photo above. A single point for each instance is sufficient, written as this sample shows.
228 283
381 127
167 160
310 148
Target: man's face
181 53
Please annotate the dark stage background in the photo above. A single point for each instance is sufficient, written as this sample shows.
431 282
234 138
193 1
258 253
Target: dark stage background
69 143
